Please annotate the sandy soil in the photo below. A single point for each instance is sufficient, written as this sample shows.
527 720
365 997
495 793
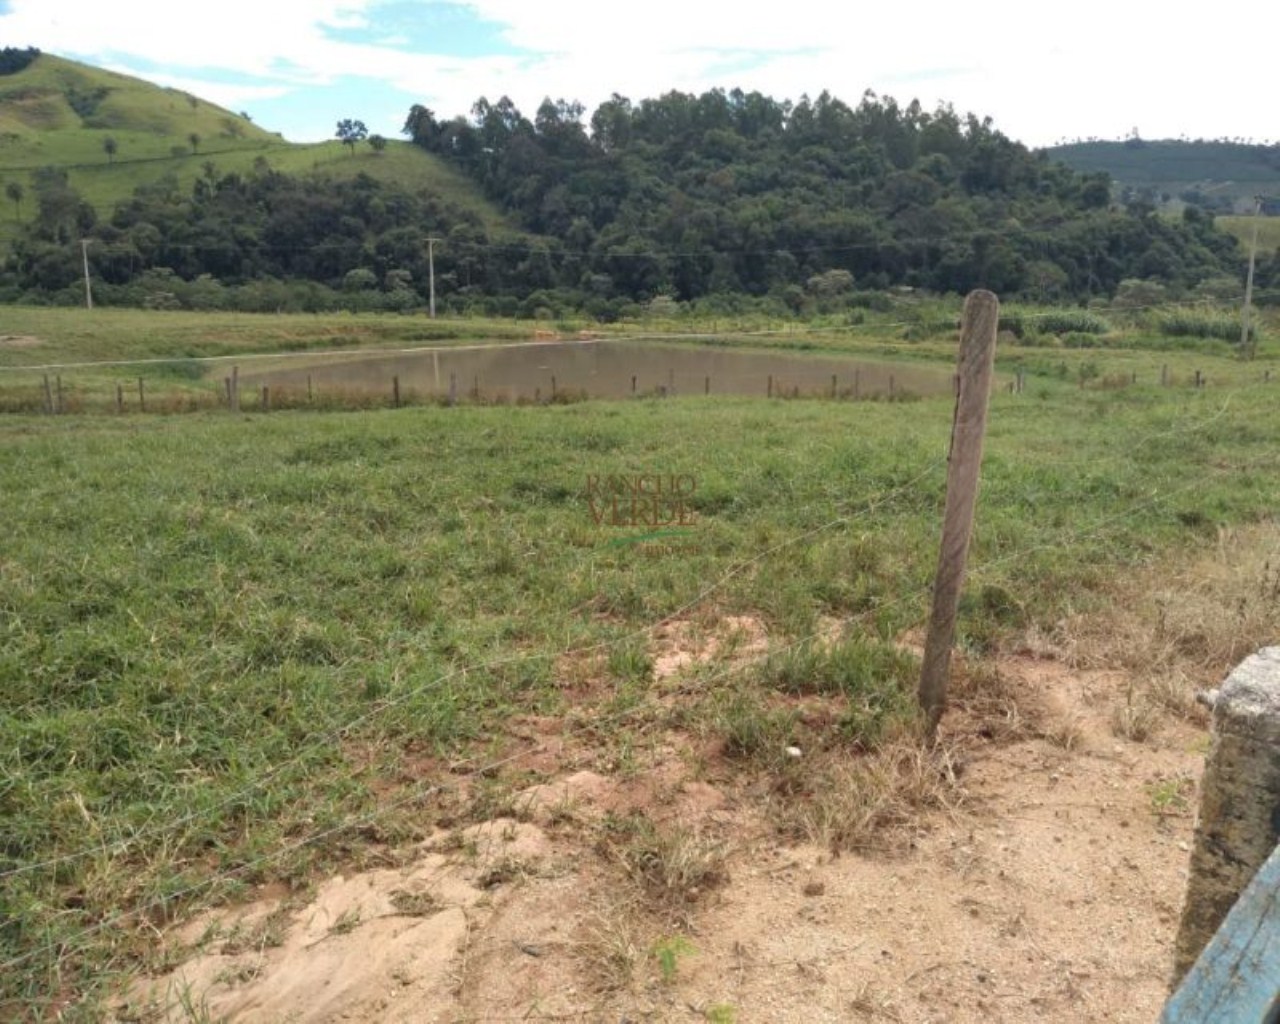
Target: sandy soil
1050 893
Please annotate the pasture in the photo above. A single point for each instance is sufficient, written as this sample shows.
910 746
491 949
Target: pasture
244 650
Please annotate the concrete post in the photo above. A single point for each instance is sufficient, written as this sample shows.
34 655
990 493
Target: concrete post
1239 821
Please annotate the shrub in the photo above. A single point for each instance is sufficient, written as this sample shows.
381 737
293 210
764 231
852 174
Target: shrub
1201 325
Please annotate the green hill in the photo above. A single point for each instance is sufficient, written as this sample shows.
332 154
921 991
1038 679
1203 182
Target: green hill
58 112
1229 172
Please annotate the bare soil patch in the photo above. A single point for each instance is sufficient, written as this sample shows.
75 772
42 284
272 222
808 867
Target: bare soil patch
667 892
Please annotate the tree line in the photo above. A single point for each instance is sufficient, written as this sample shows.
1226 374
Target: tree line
714 201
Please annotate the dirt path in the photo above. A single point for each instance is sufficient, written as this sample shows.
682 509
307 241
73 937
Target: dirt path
1050 894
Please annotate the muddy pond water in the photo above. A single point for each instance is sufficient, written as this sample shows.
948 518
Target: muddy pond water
604 369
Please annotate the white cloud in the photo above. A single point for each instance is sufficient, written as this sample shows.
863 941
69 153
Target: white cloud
1092 68
229 95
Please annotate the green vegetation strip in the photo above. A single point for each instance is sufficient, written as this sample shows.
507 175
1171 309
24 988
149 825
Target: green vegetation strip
194 605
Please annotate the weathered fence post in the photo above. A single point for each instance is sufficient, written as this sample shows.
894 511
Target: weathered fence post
1198 379
769 390
891 386
975 364
857 383
142 396
48 396
453 389
706 386
553 386
266 398
833 385
1239 821
309 393
61 406
395 390
235 389
120 398
633 384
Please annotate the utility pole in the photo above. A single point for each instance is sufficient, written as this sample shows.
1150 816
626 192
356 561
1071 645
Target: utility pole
88 289
1246 346
431 272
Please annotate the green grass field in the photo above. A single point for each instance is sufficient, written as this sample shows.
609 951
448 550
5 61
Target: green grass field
237 649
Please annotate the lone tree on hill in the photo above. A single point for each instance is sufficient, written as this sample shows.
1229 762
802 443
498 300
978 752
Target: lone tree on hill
350 132
194 139
110 147
15 192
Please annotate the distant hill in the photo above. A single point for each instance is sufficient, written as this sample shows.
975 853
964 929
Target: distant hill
1221 176
58 112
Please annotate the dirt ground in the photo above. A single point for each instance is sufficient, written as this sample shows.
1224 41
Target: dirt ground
1047 890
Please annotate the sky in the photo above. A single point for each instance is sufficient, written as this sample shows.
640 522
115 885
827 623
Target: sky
1043 72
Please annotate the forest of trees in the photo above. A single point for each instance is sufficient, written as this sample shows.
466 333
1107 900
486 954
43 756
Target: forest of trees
13 59
709 200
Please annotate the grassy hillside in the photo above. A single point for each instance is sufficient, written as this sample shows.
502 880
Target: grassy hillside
59 113
1230 169
1242 228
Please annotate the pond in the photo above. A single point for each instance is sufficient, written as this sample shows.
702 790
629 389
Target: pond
604 369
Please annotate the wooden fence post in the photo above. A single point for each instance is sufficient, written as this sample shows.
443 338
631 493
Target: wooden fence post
975 364
833 385
48 396
119 398
453 389
769 391
633 384
1239 820
61 405
857 383
395 391
309 394
142 396
235 389
266 398
706 386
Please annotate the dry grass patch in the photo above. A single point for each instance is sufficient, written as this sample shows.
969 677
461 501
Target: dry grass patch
1187 624
873 802
1177 631
671 864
